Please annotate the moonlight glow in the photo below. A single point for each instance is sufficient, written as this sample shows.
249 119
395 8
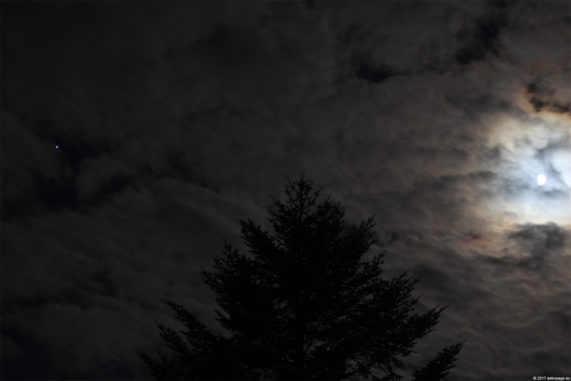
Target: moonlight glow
533 183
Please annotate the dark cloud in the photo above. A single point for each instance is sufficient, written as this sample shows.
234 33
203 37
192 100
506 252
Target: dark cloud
540 239
483 38
176 120
371 72
540 99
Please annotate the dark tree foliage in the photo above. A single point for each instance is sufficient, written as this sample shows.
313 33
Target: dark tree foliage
306 302
439 367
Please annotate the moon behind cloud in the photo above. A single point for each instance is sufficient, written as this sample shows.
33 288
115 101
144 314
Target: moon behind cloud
534 149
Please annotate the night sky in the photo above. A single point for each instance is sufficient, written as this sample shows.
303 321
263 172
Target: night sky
135 136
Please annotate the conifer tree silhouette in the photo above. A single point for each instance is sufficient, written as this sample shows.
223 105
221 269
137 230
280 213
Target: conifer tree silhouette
307 301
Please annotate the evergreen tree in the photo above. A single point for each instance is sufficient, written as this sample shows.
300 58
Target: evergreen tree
307 301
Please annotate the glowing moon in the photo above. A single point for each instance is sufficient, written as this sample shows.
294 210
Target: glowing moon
541 179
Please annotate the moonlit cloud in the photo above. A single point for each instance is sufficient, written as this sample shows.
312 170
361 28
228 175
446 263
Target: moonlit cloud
530 146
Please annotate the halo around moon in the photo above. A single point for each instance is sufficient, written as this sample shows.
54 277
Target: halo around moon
532 183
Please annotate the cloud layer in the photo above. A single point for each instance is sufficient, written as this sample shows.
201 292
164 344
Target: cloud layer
176 120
